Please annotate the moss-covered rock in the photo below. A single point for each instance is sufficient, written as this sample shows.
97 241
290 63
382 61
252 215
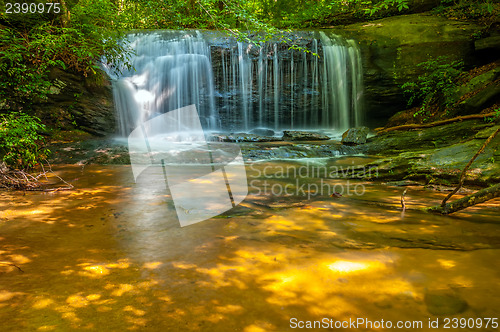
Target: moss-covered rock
392 47
395 142
295 135
355 136
418 160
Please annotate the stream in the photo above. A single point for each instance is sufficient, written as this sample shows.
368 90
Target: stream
110 254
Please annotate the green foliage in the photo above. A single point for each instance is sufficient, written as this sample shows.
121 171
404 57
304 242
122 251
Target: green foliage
487 10
88 31
20 143
241 15
21 78
495 117
385 5
478 35
435 86
234 17
28 52
292 13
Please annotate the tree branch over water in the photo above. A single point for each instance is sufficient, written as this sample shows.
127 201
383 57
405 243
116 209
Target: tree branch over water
476 198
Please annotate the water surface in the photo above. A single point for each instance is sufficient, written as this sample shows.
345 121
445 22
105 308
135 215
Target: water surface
110 255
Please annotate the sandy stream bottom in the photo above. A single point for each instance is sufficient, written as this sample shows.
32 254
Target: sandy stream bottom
111 256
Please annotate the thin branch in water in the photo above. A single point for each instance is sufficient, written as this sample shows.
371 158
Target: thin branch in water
21 180
12 264
403 204
462 175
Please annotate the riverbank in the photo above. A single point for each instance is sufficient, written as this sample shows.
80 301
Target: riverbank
429 156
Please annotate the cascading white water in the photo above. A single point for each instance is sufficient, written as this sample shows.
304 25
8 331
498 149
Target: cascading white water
357 82
238 86
168 72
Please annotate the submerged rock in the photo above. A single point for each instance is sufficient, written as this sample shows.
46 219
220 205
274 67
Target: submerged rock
295 151
444 303
294 135
355 136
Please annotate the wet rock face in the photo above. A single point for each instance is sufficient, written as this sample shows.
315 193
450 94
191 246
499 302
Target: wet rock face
294 135
396 142
438 154
76 101
355 136
392 47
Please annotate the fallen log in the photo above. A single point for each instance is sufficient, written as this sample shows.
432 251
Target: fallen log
478 197
433 124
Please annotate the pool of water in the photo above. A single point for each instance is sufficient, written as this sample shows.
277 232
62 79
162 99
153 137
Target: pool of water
110 255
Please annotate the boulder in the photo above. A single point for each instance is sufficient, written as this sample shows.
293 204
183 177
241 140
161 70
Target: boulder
475 84
481 100
294 135
241 137
355 136
262 132
437 154
488 44
397 142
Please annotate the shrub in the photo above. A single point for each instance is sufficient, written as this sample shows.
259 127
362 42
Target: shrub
484 10
20 142
435 86
495 117
28 52
385 5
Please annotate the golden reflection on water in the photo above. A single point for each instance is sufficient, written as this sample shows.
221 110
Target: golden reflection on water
111 256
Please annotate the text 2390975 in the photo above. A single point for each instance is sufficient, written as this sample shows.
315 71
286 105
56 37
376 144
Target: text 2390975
32 8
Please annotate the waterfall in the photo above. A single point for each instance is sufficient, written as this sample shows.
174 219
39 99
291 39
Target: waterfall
238 86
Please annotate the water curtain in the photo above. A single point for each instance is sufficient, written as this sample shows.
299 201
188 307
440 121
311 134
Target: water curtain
238 86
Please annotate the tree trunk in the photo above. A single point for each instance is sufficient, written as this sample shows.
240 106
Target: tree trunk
478 197
65 15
